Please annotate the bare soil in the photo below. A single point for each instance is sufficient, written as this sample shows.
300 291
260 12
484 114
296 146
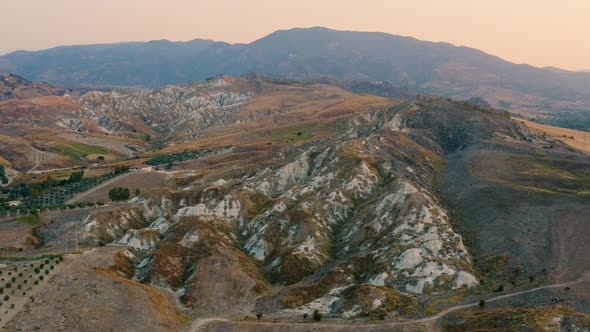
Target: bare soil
82 298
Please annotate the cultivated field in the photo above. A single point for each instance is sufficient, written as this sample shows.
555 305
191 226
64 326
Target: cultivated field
144 181
21 279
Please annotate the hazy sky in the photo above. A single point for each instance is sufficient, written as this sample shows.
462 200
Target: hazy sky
538 32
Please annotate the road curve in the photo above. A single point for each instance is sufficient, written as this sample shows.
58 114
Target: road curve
200 324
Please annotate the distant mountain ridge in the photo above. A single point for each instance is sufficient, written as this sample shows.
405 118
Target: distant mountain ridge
425 67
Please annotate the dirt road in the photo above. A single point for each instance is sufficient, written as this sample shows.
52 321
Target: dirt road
94 189
428 323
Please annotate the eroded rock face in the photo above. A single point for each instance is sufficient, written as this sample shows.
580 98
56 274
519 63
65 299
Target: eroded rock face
350 226
358 202
171 110
109 226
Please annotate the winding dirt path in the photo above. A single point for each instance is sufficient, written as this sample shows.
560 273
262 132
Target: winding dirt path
36 152
200 324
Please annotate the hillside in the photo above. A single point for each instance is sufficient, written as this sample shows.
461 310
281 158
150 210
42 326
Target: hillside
70 131
362 207
425 67
16 87
574 138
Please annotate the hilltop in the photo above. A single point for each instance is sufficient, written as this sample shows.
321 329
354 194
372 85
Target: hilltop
15 87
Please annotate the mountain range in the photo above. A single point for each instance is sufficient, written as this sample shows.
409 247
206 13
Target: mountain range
349 188
424 67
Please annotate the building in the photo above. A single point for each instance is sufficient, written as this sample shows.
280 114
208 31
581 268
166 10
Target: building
14 203
141 168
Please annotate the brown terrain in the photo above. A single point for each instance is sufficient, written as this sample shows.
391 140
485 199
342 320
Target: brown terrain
86 291
574 138
382 214
16 87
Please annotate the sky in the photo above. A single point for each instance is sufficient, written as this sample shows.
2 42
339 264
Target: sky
538 32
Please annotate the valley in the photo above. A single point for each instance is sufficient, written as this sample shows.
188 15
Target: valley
282 199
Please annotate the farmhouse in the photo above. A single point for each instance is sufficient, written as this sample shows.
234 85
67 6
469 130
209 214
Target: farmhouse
141 168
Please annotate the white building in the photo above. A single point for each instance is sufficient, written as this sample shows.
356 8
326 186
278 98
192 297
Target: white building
141 168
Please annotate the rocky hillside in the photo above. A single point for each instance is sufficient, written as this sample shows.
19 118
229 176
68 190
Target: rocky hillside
16 87
116 123
171 110
349 222
357 206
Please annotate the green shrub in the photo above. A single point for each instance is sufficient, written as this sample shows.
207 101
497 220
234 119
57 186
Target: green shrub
317 316
119 194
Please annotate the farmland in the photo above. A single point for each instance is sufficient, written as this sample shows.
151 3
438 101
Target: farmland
21 278
54 193
78 150
184 156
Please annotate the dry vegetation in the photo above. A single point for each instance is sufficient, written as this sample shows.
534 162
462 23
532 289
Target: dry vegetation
574 138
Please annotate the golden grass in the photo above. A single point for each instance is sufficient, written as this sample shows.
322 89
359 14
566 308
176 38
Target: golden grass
581 139
161 302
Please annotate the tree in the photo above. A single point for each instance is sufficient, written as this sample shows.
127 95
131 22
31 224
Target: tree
100 158
121 170
482 303
137 192
317 316
76 177
119 194
259 315
3 178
